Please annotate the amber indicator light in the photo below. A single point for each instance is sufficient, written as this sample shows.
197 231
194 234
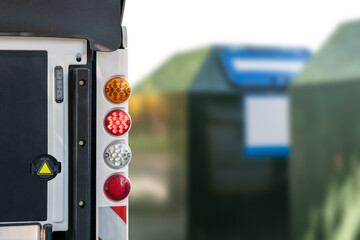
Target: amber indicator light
117 90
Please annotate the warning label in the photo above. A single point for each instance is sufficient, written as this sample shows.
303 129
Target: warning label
45 167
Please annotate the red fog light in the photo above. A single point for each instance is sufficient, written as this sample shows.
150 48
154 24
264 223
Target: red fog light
117 187
117 122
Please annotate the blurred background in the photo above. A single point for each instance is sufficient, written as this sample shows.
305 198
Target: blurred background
244 125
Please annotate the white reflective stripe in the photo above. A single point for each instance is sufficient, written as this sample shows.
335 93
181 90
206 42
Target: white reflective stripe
267 65
111 226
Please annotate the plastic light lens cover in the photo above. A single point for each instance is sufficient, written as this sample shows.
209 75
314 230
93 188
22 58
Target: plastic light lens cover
117 155
117 122
117 187
117 90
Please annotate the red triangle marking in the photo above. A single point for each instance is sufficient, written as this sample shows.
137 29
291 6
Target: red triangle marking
100 238
121 211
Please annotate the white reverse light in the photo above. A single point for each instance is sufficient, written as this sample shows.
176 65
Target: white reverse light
117 155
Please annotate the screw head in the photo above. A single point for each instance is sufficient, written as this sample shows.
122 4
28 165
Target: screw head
82 143
82 82
82 204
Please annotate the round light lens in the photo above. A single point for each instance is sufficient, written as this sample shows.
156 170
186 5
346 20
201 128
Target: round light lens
117 90
117 122
117 187
117 155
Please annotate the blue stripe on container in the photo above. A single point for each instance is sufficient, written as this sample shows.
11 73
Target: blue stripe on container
281 151
262 78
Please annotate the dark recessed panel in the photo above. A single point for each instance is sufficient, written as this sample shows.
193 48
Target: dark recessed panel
23 134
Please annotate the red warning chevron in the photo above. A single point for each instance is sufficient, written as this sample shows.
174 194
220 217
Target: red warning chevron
121 212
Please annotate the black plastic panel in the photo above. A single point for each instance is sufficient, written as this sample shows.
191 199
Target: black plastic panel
23 134
82 86
94 20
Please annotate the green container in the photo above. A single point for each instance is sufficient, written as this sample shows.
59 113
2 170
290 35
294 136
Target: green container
325 160
189 174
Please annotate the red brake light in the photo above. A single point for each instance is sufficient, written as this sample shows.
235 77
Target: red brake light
117 122
117 187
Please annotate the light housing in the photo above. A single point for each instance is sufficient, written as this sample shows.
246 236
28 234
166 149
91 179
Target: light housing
117 122
117 89
117 155
117 187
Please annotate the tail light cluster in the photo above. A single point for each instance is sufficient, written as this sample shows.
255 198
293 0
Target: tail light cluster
117 154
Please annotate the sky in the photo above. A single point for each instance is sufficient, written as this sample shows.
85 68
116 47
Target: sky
158 29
